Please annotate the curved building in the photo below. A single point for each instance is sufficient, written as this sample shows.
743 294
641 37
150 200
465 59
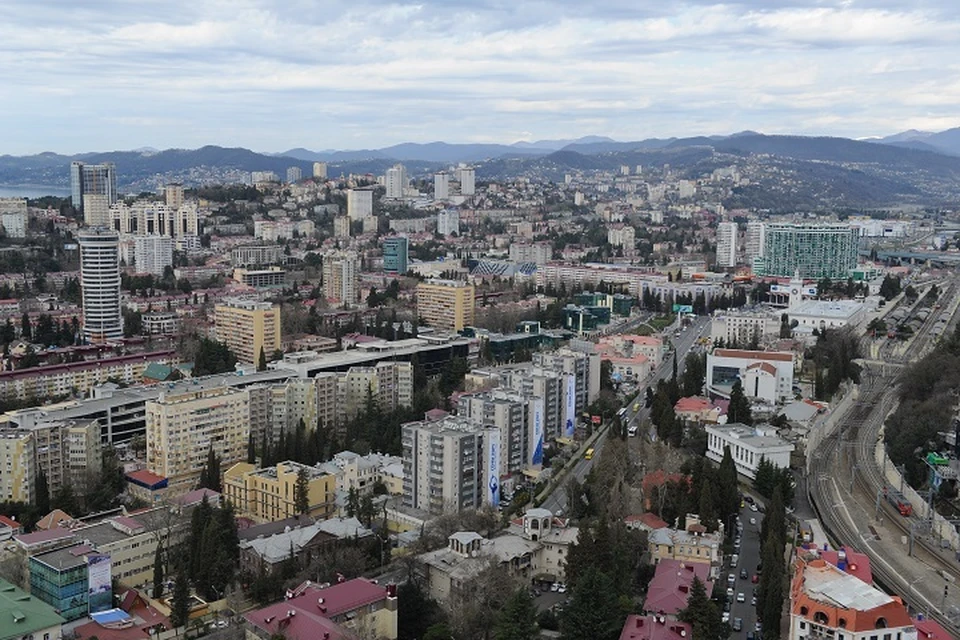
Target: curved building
100 284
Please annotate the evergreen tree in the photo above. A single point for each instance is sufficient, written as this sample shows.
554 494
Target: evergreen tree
26 329
43 494
694 373
198 520
210 475
594 612
764 480
729 503
65 500
158 572
262 361
180 602
251 450
301 492
739 410
518 619
702 614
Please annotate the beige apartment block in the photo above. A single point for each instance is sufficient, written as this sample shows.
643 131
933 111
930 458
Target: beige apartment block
446 304
17 451
247 327
267 495
182 427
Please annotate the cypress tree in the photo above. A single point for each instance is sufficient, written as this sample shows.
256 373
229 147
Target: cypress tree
158 572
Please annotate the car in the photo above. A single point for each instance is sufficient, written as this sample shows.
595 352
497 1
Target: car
740 597
737 624
554 587
561 588
753 507
743 574
726 606
748 499
753 521
753 601
750 635
729 592
725 617
756 626
731 579
741 504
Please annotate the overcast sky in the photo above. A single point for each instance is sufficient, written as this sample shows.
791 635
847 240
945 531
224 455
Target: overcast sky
97 75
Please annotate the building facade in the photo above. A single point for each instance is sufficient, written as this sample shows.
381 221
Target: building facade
748 445
395 255
94 184
269 494
766 375
18 457
813 251
359 203
153 254
727 244
100 285
446 304
341 277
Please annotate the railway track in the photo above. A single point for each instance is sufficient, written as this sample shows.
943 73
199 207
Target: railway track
852 446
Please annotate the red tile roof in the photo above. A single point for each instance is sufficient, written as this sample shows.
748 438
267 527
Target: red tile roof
930 630
9 522
857 564
670 587
145 477
766 367
654 628
343 597
777 356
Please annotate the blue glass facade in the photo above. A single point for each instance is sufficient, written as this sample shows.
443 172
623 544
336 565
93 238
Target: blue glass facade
64 589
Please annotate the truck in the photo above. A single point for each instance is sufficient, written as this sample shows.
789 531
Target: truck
900 503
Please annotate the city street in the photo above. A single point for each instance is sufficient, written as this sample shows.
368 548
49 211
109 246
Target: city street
750 550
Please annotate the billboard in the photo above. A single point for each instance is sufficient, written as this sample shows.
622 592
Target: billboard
536 451
785 289
570 406
99 588
493 467
683 308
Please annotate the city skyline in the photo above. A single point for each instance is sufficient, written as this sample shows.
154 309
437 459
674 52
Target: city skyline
271 77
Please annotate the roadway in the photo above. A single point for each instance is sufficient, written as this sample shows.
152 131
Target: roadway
750 552
682 343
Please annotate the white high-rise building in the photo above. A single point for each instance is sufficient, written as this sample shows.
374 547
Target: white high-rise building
294 174
152 254
13 215
341 273
753 241
727 244
359 203
320 170
396 181
448 222
173 195
468 178
100 284
441 186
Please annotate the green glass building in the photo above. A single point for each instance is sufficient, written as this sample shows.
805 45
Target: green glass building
815 251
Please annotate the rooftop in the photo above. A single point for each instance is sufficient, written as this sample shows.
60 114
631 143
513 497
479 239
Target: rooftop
755 436
22 615
654 628
826 583
770 356
839 309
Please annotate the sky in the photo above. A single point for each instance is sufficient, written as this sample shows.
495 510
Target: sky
96 75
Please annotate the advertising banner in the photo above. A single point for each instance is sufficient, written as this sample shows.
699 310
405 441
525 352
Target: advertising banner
100 591
570 406
536 451
493 467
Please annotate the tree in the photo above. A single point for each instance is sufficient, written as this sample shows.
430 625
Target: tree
26 329
158 572
518 619
180 602
594 612
210 475
729 503
438 631
694 373
301 492
65 500
702 614
262 361
739 409
251 450
416 612
43 494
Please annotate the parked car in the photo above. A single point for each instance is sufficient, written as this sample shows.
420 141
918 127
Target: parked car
755 579
743 574
741 597
738 624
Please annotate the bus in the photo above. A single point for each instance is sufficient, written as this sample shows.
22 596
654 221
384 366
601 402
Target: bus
589 454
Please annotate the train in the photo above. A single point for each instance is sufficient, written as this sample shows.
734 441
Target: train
901 504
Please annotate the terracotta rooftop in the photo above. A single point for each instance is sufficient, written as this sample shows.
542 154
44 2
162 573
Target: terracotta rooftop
775 356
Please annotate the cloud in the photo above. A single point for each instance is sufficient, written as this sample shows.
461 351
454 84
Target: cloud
271 75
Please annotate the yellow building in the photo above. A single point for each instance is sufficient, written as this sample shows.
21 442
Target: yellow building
184 424
267 495
446 304
247 326
17 459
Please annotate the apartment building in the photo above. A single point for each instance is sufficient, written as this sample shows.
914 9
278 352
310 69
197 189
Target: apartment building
744 326
153 254
248 328
388 384
268 494
361 473
537 252
754 239
359 203
446 304
256 255
813 251
727 244
512 414
18 464
149 218
445 465
67 453
100 284
183 424
395 255
341 277
260 278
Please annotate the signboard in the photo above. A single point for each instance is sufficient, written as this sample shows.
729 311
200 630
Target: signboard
99 588
683 308
536 450
596 419
570 407
785 289
493 467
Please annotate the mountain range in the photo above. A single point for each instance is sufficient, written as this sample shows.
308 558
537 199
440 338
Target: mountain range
915 165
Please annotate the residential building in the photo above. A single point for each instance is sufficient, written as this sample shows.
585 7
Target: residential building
9 528
26 617
584 367
813 251
341 227
748 445
828 602
623 236
700 410
94 185
388 384
184 424
341 277
248 328
446 304
669 589
263 177
448 222
362 473
441 186
256 255
68 453
173 195
655 627
271 277
294 175
727 244
537 252
359 203
512 414
395 181
765 375
468 179
444 468
18 456
694 545
153 254
269 494
100 284
744 326
13 216
320 170
343 611
632 346
754 240
827 314
152 218
267 547
395 255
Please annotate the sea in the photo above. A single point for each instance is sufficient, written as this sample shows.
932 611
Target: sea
32 191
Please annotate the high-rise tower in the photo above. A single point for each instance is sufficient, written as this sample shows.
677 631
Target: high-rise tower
100 284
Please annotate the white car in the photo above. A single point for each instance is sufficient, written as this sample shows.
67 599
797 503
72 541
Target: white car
753 521
554 587
740 597
561 588
726 616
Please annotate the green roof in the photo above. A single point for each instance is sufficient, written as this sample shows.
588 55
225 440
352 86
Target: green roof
157 371
22 614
